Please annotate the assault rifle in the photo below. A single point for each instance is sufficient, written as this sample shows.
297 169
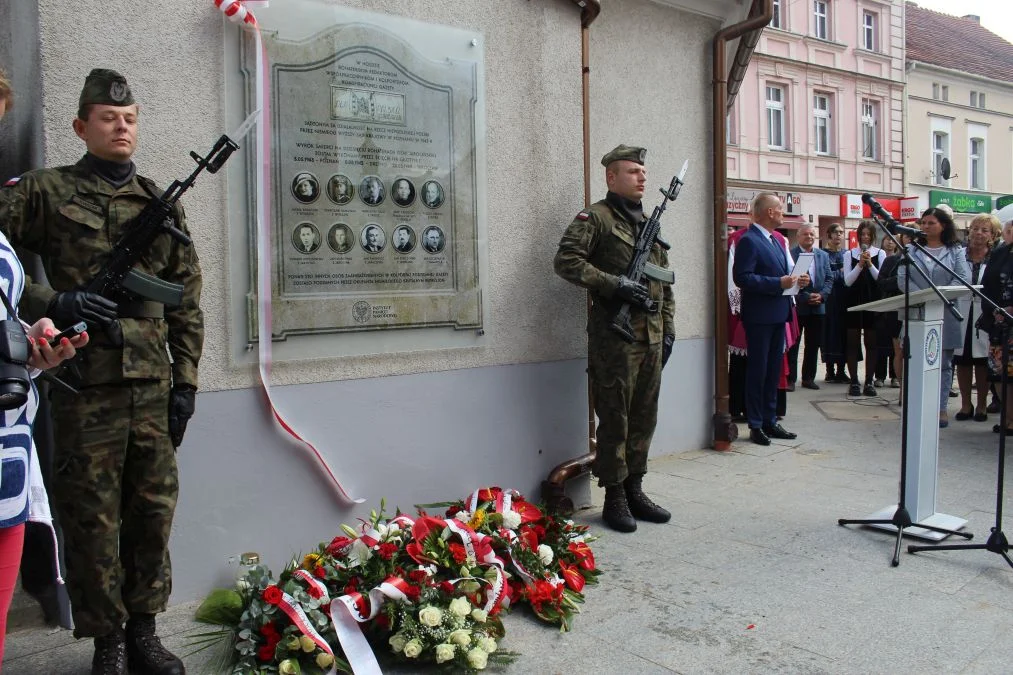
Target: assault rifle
639 268
118 278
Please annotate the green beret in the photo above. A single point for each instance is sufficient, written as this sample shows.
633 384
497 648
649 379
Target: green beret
106 87
626 152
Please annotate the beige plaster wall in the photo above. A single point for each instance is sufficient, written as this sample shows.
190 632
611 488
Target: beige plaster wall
650 86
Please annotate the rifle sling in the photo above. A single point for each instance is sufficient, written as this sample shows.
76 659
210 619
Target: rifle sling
141 309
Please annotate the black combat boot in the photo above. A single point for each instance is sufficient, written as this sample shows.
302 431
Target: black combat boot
641 505
616 513
110 654
145 652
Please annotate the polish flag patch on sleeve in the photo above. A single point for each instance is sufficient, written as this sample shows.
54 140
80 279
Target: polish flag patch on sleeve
583 215
12 181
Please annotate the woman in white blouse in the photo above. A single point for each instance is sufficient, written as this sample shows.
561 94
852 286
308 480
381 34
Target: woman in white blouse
861 273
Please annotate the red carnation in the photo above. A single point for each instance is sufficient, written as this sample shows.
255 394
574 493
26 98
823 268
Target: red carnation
418 576
315 592
413 592
266 653
271 595
319 572
459 553
387 550
339 546
447 587
349 589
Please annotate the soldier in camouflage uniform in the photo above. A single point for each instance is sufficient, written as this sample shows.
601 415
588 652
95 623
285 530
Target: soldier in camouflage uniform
115 466
625 377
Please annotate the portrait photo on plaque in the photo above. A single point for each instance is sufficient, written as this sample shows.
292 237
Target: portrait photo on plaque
339 238
433 239
339 189
305 187
403 192
372 238
306 238
432 194
372 190
404 239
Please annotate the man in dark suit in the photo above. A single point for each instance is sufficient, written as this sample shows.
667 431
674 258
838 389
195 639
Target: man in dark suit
762 273
811 306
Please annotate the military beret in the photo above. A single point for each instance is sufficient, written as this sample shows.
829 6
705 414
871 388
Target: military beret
106 87
626 152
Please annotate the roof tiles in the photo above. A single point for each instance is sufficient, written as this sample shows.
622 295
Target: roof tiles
956 43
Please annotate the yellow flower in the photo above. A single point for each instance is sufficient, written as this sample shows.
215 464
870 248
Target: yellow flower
309 561
324 660
477 519
287 667
308 645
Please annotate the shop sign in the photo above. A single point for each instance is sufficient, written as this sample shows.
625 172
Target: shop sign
851 206
1003 201
792 203
910 209
739 201
961 202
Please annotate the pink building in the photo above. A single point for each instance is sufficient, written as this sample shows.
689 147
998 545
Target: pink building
820 112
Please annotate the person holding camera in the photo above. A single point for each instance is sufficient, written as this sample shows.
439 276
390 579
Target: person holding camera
116 480
22 347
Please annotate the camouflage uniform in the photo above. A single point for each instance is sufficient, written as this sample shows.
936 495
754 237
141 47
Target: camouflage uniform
115 467
625 377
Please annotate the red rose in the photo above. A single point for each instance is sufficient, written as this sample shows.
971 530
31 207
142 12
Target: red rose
266 653
413 592
447 587
459 553
349 589
319 572
418 576
315 592
271 595
382 621
387 550
339 546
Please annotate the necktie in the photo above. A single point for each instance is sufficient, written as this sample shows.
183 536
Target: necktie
779 251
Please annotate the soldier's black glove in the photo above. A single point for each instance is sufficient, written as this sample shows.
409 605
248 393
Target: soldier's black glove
666 348
631 292
182 402
70 307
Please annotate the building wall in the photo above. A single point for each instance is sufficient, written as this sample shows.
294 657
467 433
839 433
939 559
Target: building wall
955 116
418 426
839 67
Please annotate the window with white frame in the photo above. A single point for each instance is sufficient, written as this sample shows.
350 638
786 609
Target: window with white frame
869 33
821 19
776 122
731 135
981 99
821 123
974 99
976 161
977 99
935 91
870 129
777 20
945 93
940 150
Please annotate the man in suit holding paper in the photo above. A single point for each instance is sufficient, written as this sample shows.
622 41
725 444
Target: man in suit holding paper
762 272
811 306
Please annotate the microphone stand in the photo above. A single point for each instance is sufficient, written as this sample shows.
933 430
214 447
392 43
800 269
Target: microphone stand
901 518
997 541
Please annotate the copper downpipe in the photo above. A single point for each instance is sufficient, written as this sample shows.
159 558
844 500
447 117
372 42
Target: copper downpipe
553 488
760 13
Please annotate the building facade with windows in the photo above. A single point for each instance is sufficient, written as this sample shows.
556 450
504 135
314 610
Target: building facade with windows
959 126
819 115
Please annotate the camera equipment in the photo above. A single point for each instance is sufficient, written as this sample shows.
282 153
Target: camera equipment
14 354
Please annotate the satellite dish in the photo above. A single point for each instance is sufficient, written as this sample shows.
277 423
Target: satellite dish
944 169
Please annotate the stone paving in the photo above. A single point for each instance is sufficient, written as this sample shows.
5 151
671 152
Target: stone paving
753 574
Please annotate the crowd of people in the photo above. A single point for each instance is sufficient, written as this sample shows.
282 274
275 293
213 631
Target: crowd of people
813 317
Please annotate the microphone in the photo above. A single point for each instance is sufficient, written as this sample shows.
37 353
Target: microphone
892 225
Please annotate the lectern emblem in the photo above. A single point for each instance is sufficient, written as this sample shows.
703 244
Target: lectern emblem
932 346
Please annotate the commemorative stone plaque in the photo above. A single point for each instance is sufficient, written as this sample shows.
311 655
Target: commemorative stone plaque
374 206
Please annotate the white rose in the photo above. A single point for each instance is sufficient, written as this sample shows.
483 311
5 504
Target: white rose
479 615
460 637
460 607
477 658
544 554
413 649
487 644
511 520
431 616
444 653
397 642
463 516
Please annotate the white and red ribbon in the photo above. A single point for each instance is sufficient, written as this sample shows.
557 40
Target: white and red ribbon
295 613
237 12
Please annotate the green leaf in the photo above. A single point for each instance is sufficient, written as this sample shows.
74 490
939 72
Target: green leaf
222 607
